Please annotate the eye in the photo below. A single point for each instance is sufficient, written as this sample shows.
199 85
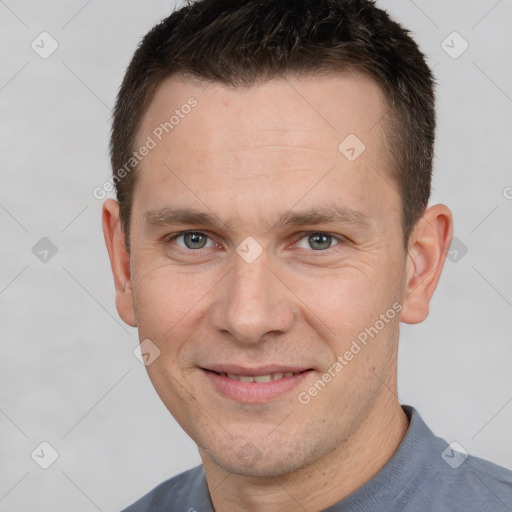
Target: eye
192 240
318 241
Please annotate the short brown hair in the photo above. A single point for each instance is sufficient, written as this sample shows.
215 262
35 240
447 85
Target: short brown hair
243 42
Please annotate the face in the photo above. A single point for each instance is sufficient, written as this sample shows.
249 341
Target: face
265 239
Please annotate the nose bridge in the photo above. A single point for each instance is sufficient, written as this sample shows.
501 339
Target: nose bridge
253 302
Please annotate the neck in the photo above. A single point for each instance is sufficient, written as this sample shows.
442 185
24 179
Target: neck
321 484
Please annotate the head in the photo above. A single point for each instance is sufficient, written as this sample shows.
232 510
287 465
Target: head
277 214
240 44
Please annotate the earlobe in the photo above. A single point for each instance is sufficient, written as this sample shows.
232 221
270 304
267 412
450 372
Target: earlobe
119 260
428 245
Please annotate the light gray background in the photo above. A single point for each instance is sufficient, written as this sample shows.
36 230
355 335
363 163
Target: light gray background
68 373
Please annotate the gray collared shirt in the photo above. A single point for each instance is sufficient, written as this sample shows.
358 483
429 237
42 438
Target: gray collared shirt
425 474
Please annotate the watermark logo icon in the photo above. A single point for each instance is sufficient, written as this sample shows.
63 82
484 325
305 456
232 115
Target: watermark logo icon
457 250
351 147
44 45
44 250
454 45
454 455
146 352
44 455
249 454
249 250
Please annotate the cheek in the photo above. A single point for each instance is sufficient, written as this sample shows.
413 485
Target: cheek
345 299
167 301
169 305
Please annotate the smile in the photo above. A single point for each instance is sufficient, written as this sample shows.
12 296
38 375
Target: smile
254 386
259 378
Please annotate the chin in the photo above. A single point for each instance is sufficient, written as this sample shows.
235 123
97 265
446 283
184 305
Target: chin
263 468
264 460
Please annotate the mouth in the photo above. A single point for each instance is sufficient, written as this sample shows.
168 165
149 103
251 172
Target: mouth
254 385
259 378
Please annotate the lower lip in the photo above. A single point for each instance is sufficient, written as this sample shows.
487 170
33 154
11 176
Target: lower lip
254 392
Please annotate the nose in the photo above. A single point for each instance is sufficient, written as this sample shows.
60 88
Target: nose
252 303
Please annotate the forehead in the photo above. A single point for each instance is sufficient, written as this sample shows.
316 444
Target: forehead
338 101
247 149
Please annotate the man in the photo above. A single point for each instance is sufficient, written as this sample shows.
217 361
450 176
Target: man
272 161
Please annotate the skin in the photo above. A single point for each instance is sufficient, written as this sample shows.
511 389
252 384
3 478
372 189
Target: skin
247 156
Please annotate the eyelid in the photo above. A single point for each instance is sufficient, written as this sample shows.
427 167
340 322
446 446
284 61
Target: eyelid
299 236
173 236
339 238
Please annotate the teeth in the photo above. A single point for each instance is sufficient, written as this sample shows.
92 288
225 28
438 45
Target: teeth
259 378
262 378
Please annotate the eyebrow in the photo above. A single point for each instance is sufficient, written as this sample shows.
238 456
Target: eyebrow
325 214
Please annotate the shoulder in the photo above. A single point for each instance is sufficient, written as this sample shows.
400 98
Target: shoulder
186 491
458 481
475 484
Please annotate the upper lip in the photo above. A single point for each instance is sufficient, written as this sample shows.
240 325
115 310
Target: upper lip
255 370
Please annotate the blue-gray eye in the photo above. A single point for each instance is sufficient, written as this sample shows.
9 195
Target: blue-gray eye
193 240
318 241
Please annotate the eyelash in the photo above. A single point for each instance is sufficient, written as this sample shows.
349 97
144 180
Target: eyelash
340 239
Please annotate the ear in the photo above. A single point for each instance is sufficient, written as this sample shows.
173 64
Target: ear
119 260
428 245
